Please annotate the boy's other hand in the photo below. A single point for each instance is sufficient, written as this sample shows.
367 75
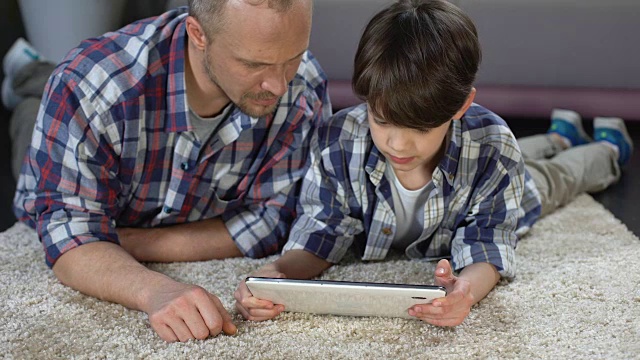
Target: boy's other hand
251 307
452 309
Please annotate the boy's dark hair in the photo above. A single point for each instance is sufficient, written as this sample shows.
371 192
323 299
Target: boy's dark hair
416 63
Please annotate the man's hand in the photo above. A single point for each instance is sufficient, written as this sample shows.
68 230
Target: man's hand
251 307
181 312
464 291
176 311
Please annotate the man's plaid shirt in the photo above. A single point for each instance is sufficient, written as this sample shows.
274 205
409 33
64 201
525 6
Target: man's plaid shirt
113 147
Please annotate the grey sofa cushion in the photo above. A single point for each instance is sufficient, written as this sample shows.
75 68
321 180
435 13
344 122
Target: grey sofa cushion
537 54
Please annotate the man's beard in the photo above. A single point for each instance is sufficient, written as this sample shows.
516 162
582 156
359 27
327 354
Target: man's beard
244 103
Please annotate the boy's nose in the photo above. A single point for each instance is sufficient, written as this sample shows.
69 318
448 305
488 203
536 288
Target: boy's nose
397 142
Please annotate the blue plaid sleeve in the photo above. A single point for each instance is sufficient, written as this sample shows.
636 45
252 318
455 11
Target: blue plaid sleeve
488 231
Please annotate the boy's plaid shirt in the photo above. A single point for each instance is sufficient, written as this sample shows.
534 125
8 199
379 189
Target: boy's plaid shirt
482 200
113 147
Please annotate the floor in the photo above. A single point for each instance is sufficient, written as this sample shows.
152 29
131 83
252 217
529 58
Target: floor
621 198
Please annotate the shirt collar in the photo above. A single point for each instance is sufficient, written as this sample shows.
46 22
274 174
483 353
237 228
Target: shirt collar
176 118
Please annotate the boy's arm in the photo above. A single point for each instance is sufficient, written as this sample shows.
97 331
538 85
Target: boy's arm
483 247
472 285
297 264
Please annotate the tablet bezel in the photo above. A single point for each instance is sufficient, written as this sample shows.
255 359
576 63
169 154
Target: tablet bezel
348 298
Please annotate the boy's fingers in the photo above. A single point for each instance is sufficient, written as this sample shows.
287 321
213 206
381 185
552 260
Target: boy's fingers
265 314
452 298
443 268
444 274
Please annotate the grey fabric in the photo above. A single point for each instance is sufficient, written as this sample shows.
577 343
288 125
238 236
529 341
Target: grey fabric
561 176
576 296
557 43
533 43
537 55
28 83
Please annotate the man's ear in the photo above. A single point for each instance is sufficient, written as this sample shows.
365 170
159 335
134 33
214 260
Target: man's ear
467 104
196 33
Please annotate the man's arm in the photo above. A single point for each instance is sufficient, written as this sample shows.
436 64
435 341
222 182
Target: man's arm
197 241
176 311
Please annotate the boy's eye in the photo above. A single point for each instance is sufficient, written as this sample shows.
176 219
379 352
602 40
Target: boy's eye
380 122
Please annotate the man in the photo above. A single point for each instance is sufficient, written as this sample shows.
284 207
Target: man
176 138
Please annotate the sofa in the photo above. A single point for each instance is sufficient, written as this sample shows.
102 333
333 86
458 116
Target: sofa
537 54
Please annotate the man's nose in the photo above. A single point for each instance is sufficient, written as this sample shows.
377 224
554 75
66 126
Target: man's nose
276 82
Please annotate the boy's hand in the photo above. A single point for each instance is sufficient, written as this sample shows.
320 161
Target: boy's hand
251 307
452 309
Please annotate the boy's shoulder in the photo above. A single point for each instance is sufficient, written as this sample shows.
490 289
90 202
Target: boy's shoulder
482 126
478 117
345 125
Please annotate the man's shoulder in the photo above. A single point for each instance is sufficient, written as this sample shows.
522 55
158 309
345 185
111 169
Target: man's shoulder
311 72
120 61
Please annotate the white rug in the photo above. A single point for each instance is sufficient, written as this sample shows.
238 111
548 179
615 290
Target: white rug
577 295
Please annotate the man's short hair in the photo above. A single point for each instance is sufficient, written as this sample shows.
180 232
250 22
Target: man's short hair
416 63
210 13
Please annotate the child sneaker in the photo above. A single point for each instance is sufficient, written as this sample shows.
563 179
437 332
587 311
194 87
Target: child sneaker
613 131
568 124
20 54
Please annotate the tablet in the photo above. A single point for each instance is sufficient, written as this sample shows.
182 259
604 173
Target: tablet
344 297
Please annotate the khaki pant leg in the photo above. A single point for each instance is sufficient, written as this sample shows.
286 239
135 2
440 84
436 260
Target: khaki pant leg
539 147
587 168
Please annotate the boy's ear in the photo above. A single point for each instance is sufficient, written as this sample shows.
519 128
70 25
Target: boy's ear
467 104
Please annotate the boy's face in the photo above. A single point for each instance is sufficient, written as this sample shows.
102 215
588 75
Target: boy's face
410 152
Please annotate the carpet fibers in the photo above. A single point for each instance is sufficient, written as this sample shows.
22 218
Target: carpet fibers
577 295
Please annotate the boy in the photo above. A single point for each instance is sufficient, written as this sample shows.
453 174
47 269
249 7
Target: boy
423 169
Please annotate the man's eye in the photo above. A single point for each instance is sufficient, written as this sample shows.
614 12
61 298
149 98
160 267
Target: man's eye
252 65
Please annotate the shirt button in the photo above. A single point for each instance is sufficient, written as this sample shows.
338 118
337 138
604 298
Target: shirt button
184 166
167 210
386 231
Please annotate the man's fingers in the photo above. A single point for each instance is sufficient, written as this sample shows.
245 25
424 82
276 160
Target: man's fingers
180 329
165 332
228 326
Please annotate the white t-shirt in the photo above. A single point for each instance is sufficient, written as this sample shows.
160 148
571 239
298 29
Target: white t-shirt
409 210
